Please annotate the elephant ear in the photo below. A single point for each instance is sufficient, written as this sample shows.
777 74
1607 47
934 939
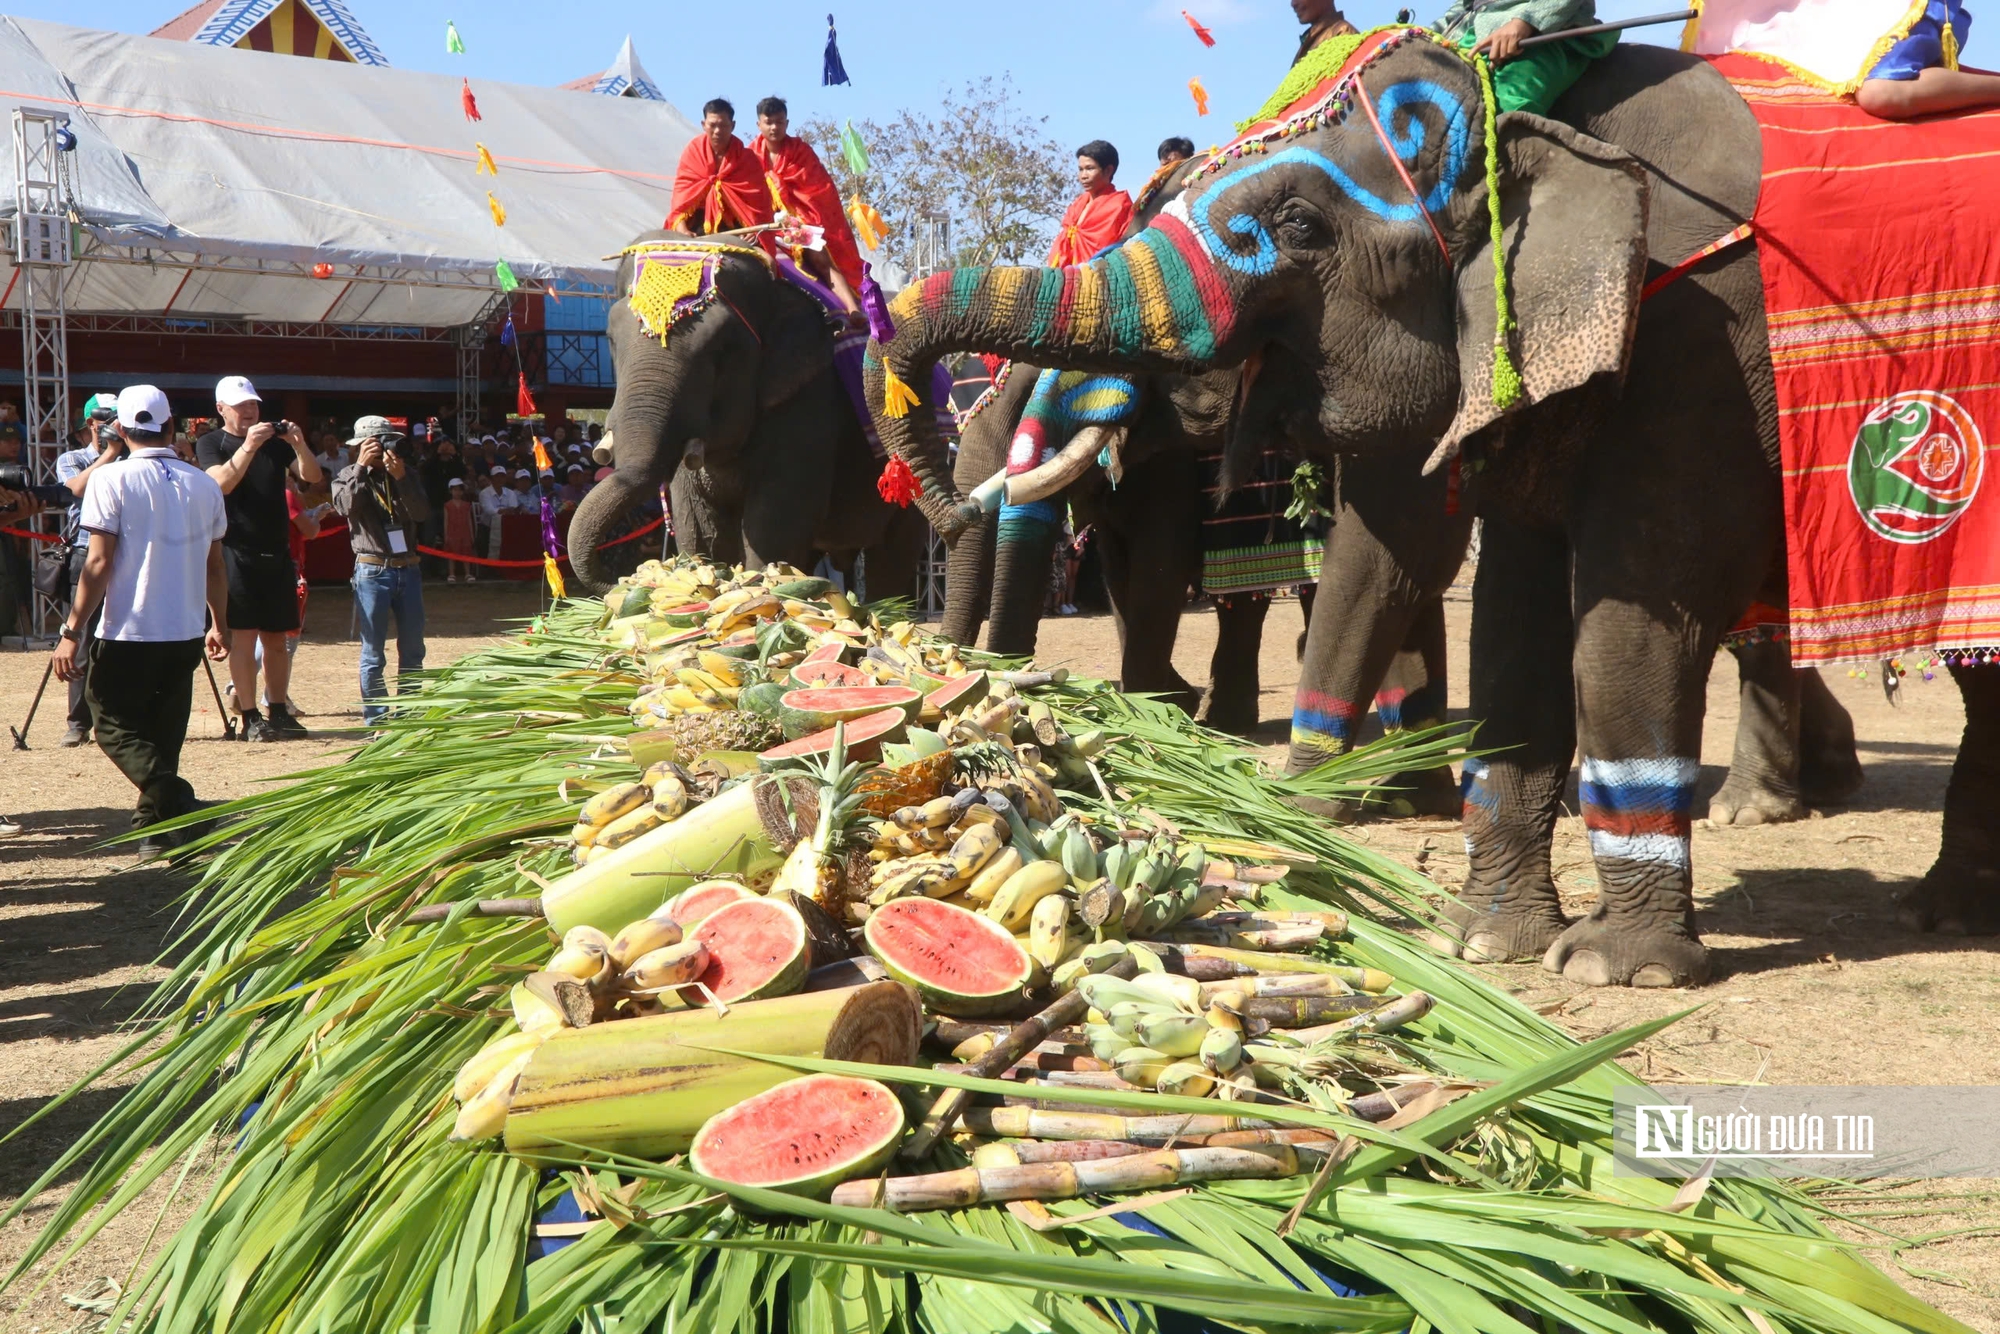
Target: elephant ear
1573 219
797 347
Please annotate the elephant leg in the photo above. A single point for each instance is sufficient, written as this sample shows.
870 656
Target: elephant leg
1960 894
1306 594
1232 671
1412 698
1521 689
1763 783
1829 768
1151 560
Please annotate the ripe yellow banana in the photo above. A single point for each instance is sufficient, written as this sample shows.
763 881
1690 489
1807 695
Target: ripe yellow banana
993 875
1048 930
1142 1065
488 1061
669 966
584 955
1187 1079
974 848
484 1115
613 802
1015 901
641 819
724 668
643 937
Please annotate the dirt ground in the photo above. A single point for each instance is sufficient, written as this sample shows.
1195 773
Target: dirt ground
1815 982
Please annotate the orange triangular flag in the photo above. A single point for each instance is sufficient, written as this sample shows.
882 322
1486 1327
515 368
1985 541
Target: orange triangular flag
1200 97
1207 37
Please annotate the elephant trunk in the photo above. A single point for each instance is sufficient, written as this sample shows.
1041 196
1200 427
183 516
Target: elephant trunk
1050 317
604 505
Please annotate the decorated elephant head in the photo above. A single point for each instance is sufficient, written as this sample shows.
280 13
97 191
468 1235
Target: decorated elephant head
702 340
1352 229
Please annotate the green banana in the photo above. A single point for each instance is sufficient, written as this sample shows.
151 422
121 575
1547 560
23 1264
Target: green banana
1119 863
1222 1050
1174 1034
1079 855
1186 1079
1141 1065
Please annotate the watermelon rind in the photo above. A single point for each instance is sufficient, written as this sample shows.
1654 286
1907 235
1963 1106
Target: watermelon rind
787 977
957 693
803 712
761 698
904 956
698 901
863 738
811 1110
828 675
808 589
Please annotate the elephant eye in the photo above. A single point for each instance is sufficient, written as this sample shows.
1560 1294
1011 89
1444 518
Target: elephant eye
1299 228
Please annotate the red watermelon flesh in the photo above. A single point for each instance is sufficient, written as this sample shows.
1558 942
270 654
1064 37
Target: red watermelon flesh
956 693
963 964
864 738
819 675
826 653
698 901
805 1136
801 712
756 948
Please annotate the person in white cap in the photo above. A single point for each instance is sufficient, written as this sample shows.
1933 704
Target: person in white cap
156 528
254 462
494 502
382 498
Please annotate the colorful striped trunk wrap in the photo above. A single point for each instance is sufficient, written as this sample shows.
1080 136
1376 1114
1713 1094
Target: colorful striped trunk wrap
1639 810
1322 724
1064 402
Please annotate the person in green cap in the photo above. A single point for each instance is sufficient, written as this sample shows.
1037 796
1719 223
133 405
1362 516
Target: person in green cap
95 444
1531 79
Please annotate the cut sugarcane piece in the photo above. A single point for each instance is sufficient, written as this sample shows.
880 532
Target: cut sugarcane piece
1383 1019
644 1086
1029 1123
1288 937
1372 980
1066 1181
1278 984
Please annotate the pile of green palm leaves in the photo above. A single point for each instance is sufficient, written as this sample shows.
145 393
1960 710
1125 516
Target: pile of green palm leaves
307 1038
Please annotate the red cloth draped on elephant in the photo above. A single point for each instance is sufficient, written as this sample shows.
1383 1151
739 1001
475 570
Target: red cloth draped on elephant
801 186
713 196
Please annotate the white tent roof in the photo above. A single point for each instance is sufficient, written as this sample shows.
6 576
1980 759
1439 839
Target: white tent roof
211 180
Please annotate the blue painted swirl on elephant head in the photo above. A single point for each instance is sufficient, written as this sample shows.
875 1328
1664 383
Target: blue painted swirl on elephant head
1407 140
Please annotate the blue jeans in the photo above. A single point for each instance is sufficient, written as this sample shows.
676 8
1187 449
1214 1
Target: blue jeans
380 592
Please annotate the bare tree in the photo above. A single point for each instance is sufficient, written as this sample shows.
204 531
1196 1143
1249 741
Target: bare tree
978 159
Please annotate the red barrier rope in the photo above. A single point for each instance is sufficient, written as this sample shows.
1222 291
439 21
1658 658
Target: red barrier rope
632 536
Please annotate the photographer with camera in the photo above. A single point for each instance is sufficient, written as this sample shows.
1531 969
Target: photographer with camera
254 461
382 498
97 444
156 531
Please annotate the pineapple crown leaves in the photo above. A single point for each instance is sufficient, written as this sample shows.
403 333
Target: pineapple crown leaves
839 794
985 759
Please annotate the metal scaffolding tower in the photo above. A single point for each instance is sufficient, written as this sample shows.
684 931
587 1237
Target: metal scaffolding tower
42 256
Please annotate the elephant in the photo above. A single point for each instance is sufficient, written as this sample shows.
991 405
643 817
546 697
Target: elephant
740 408
1471 287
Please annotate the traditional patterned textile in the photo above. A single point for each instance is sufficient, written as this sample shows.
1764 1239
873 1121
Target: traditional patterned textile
1882 297
1833 44
1248 545
668 286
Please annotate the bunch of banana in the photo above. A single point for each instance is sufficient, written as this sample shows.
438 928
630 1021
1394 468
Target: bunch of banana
614 817
1156 1033
937 849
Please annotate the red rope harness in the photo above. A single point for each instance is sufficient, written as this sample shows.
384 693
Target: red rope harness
1416 197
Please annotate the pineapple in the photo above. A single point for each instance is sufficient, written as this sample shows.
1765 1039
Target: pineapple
815 867
697 733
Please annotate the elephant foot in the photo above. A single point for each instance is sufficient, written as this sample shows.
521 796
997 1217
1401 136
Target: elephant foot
1745 800
1423 793
1953 901
1830 774
1607 950
1513 932
1234 716
1340 811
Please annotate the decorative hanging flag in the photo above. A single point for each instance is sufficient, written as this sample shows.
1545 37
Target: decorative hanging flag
322 270
833 71
486 167
880 327
868 225
499 213
1207 37
507 331
553 573
897 484
542 463
466 100
504 276
853 149
524 402
1200 97
897 397
454 47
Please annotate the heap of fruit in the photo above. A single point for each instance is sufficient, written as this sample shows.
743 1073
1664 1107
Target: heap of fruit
899 851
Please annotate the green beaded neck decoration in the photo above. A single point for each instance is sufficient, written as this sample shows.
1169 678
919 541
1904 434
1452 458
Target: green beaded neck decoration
1325 61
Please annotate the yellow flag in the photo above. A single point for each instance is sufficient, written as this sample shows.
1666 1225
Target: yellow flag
499 213
486 164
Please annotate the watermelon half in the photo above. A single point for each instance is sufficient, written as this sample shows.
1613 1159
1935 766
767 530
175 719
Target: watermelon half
757 948
686 615
811 675
698 901
864 738
963 964
803 712
954 694
828 653
803 1137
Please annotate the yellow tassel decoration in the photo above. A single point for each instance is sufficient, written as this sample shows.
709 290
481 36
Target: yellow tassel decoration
486 166
553 572
499 213
897 397
868 225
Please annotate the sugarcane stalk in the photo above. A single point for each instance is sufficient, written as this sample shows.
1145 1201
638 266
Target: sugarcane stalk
944 1113
1277 984
1372 980
644 1086
1335 923
437 912
1385 1019
1067 1150
948 1033
1304 1012
969 1186
1285 937
1029 1123
1382 1105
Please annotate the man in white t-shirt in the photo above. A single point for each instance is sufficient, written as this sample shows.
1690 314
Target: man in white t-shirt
155 563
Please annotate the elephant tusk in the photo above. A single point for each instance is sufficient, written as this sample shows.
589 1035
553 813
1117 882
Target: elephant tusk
1074 460
601 451
988 494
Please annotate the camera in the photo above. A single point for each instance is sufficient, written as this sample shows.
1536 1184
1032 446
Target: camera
13 477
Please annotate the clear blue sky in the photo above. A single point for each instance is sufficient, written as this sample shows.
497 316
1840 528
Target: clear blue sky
1116 69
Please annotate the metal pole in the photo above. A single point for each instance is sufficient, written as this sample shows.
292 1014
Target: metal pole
42 258
1564 34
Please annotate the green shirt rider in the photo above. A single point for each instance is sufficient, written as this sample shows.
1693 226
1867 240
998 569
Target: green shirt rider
1531 79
